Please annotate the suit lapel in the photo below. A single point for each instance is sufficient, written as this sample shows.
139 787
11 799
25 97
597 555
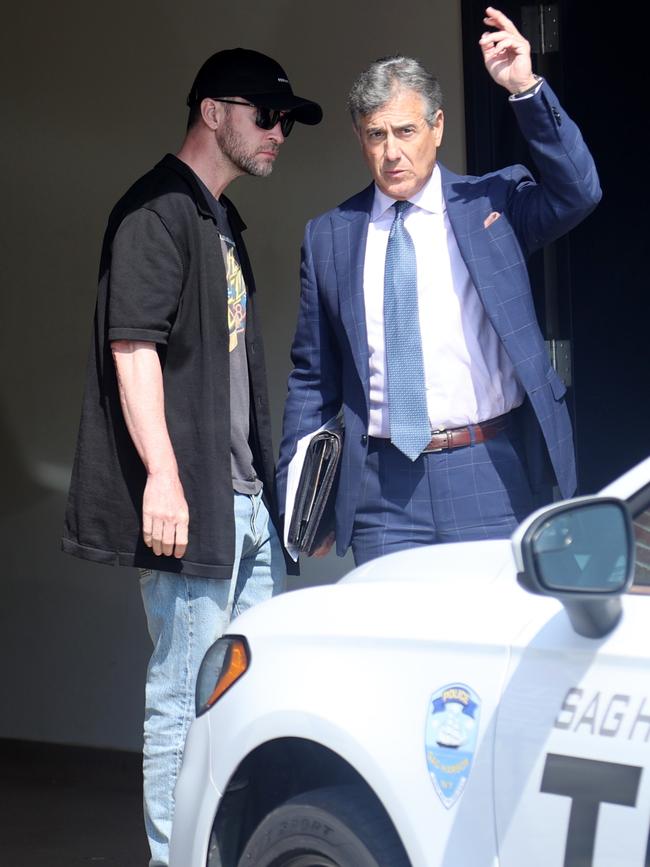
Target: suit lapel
349 235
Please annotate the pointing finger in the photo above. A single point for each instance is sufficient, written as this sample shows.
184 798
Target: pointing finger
496 18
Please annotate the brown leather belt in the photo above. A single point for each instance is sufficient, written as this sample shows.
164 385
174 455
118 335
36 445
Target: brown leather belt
458 437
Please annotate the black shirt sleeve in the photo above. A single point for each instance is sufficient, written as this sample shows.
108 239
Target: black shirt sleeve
146 278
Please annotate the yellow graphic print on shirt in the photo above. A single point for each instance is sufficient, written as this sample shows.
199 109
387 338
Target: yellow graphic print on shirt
236 296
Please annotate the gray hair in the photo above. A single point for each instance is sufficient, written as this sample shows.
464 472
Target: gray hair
385 77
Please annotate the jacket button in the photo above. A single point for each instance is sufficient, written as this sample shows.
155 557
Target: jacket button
364 440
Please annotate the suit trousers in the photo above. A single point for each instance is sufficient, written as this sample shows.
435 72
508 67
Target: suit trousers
480 491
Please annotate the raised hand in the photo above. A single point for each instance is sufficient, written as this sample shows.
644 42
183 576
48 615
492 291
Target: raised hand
506 53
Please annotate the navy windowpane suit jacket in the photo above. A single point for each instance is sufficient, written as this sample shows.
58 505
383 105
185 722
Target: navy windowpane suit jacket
330 349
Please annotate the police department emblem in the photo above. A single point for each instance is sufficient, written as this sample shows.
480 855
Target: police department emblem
450 739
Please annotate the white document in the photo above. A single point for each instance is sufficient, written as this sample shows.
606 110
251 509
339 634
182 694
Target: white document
293 477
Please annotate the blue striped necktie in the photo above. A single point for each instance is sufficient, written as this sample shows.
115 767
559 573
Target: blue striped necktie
410 430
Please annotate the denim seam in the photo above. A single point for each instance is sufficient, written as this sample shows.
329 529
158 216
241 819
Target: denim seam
183 720
255 503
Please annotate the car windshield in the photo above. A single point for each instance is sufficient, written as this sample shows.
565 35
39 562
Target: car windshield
640 508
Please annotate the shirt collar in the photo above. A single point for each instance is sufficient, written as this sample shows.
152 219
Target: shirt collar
172 162
429 198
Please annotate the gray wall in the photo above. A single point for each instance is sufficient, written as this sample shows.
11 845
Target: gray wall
93 94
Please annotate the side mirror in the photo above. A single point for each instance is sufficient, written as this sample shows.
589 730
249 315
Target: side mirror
581 552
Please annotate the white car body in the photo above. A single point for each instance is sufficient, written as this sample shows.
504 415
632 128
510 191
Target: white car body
555 768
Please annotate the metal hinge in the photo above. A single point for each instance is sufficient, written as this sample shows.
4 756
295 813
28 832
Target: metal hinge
560 354
541 27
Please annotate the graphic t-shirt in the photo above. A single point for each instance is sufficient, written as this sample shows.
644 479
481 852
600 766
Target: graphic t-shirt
244 477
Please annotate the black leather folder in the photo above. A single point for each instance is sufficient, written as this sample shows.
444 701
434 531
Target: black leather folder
313 511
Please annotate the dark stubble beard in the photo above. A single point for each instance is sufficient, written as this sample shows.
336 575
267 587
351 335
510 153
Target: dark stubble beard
232 146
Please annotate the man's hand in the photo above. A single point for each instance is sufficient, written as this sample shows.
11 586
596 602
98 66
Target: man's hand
506 53
325 546
165 516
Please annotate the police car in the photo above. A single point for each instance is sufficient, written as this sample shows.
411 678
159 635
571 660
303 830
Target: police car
483 703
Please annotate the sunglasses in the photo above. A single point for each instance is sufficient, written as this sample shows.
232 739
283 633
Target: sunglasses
266 118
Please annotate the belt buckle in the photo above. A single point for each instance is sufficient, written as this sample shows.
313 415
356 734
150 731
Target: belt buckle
440 430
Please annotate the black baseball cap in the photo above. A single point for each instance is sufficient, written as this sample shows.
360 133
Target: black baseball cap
254 77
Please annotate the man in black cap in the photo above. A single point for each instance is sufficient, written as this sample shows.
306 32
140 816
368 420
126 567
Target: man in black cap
173 470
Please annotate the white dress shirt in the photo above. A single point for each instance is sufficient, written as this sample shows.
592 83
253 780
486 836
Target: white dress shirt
469 378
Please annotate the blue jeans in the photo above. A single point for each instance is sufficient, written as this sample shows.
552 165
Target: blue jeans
185 615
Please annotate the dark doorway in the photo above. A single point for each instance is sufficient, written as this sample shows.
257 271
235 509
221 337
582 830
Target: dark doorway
590 288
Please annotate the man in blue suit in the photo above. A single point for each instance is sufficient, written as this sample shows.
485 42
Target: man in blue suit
417 320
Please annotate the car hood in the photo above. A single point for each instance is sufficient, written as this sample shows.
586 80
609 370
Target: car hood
448 591
424 564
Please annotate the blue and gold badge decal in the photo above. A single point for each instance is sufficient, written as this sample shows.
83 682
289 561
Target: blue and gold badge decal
450 739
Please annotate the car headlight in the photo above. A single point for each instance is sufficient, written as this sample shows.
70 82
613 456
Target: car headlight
222 665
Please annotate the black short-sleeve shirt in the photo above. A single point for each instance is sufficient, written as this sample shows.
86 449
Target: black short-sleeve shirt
162 279
145 279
